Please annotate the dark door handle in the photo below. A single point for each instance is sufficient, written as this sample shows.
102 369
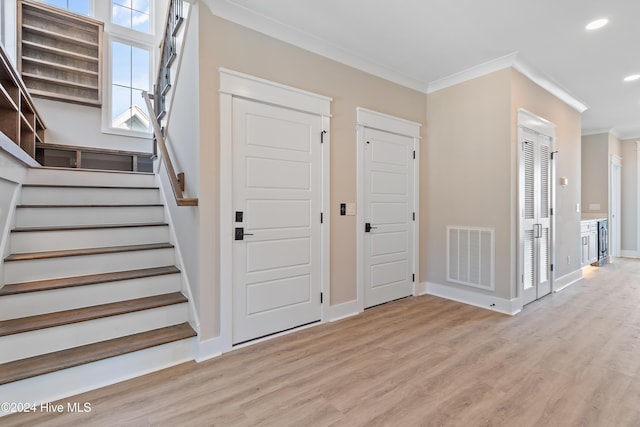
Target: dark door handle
240 233
368 227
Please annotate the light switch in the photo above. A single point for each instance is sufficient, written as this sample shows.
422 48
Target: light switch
351 209
577 207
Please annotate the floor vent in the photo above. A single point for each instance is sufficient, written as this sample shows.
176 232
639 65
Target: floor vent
470 256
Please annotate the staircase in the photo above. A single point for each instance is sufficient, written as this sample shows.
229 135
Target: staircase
91 292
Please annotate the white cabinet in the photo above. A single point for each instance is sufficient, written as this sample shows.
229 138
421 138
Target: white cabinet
589 241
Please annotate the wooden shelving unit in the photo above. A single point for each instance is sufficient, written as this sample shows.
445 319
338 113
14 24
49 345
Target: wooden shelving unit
60 53
19 120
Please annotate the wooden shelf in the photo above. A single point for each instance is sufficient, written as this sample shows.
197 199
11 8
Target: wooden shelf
59 66
19 120
60 53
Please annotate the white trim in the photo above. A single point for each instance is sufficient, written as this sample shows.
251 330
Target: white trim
366 118
235 84
185 283
512 60
536 123
385 122
15 151
343 310
629 254
562 283
422 288
257 22
541 126
80 379
258 89
638 196
208 349
615 161
488 302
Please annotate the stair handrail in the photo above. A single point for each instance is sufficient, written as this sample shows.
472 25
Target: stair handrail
163 84
177 180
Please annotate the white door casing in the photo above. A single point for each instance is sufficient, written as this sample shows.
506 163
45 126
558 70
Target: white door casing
615 207
387 200
274 168
536 184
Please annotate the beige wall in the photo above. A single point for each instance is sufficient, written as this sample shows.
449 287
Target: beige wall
531 97
466 172
225 44
470 172
595 172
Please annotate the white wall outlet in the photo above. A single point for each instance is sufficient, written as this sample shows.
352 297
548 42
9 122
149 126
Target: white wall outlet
578 207
568 259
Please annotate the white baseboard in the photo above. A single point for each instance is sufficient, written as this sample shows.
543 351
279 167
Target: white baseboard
343 310
421 289
629 254
208 349
567 280
488 302
73 381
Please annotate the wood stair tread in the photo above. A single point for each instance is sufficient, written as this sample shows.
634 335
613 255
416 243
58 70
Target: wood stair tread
87 251
92 279
90 206
88 227
75 186
69 358
60 318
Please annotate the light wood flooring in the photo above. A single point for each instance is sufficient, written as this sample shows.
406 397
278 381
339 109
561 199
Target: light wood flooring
570 359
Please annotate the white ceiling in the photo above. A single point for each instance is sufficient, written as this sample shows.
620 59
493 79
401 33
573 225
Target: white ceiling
418 42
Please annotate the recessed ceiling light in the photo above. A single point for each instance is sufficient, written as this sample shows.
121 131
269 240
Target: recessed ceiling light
598 23
632 78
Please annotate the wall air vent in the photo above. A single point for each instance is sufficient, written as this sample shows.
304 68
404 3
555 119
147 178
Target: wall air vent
470 256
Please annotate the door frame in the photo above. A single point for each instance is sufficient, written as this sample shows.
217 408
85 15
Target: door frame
615 224
383 122
544 127
234 84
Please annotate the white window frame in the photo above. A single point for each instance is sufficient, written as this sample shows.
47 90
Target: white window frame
118 33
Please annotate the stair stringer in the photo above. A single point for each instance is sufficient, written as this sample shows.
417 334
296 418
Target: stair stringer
185 283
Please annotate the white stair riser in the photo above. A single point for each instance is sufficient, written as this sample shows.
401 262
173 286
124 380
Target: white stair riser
54 268
80 379
73 177
90 196
51 217
42 341
34 303
41 241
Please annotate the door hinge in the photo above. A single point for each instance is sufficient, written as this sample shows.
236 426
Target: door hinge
414 154
551 211
321 298
322 136
551 267
321 217
414 216
413 277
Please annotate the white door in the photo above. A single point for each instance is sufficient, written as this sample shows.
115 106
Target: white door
535 189
388 215
616 206
277 195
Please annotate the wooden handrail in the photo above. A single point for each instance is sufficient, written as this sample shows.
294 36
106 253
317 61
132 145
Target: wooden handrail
177 180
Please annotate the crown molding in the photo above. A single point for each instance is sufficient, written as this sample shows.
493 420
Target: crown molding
512 60
278 30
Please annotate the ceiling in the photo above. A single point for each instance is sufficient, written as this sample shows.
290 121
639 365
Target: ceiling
418 43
